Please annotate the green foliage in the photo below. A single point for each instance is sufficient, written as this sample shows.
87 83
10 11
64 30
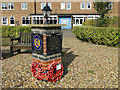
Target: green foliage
98 35
13 31
106 22
90 71
102 8
90 23
113 22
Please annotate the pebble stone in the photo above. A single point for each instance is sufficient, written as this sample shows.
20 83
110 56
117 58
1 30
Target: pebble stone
77 57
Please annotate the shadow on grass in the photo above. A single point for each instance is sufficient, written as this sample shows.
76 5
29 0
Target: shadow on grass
67 58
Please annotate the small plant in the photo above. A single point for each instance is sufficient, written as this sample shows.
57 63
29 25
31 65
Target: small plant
90 71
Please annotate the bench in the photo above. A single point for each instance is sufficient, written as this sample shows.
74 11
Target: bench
23 42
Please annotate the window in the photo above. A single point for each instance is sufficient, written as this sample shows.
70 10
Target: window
11 6
37 20
73 20
4 6
110 17
82 5
110 5
26 20
52 20
77 21
62 5
49 4
68 6
88 5
24 6
4 21
81 20
84 19
43 5
55 20
12 21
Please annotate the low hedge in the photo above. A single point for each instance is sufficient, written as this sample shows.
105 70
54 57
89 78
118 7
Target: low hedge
13 31
98 35
91 22
105 23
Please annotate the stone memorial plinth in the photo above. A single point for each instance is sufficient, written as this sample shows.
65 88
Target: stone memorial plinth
46 44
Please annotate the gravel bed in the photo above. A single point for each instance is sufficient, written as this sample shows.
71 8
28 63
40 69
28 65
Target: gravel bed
85 66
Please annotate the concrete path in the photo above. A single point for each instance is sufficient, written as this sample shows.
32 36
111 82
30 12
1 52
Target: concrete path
68 34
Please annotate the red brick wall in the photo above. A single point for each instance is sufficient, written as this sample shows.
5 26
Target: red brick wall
56 7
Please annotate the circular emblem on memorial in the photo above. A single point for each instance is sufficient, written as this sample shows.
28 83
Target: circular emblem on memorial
37 43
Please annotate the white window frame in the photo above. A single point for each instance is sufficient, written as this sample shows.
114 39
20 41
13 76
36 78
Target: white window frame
4 6
62 7
52 18
37 18
3 21
111 5
41 5
67 6
81 5
25 19
10 6
50 5
110 17
90 5
79 18
24 7
14 21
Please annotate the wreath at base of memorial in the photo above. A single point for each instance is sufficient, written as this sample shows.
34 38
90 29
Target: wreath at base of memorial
54 71
37 70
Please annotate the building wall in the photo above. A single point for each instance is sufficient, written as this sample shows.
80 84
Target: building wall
75 9
114 11
0 15
56 7
18 13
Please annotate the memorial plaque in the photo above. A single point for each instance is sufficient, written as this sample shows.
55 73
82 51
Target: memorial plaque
37 43
54 44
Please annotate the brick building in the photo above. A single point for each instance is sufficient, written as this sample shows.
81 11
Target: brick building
70 13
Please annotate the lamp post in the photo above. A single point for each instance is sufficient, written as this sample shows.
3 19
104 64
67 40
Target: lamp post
46 13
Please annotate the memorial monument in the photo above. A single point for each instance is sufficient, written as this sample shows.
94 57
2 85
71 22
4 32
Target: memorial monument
46 49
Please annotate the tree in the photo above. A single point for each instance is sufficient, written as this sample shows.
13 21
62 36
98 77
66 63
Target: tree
102 8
